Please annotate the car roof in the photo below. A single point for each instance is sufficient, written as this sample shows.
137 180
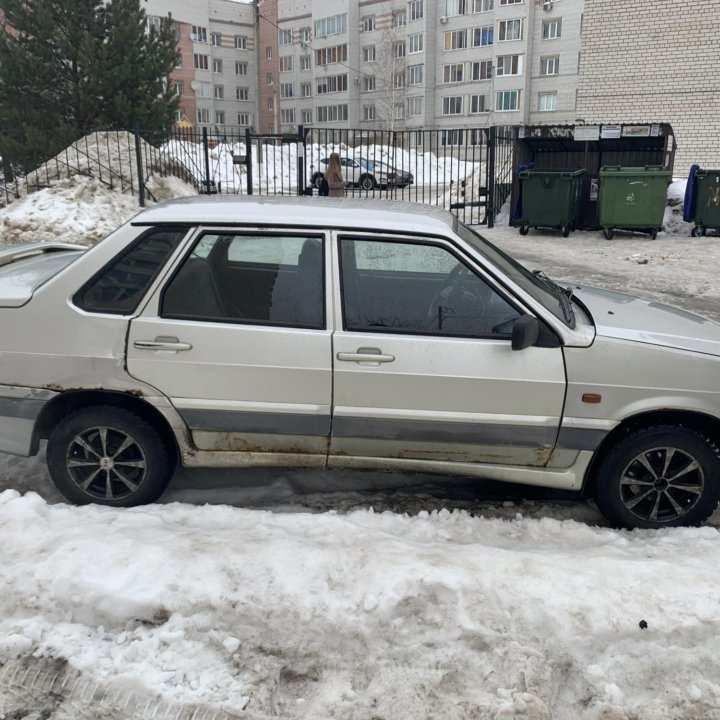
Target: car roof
302 211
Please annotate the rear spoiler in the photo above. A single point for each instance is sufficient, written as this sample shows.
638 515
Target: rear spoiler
13 253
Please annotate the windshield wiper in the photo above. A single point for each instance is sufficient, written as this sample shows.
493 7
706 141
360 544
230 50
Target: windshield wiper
564 298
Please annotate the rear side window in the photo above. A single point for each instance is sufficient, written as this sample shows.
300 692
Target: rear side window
120 286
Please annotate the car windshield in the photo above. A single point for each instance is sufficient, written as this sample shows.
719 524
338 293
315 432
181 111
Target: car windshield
553 296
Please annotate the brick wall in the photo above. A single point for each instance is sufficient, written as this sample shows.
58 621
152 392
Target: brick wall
655 62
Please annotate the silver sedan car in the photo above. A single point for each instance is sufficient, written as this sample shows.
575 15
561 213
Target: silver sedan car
348 334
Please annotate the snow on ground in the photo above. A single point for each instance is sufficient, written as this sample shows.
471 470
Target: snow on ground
362 596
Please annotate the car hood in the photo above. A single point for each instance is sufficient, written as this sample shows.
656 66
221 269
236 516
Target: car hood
626 317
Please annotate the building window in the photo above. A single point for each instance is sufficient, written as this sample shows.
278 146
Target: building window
331 26
415 106
452 105
368 83
368 23
510 30
304 62
268 53
219 117
200 62
203 115
368 53
415 43
452 137
217 66
306 116
507 100
330 55
179 116
509 65
269 79
242 93
415 74
287 90
306 89
456 40
551 29
271 104
287 63
550 65
240 42
454 7
483 36
179 88
483 5
285 36
479 103
331 84
244 119
482 70
511 2
399 49
219 92
241 68
332 113
399 80
399 18
399 111
547 102
216 39
416 10
287 116
203 89
368 112
453 73
199 34
305 34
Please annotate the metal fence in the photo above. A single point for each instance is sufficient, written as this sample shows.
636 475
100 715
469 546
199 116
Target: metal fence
468 171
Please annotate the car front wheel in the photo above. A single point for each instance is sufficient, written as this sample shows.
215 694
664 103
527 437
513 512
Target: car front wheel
109 456
367 182
663 476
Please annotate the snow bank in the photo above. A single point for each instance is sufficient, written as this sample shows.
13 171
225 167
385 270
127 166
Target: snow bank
367 615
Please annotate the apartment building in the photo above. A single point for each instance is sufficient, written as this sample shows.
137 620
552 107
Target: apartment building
216 77
641 65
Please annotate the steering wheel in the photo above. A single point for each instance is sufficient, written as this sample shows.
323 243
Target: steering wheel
459 291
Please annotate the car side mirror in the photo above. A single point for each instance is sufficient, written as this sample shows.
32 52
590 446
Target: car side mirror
525 332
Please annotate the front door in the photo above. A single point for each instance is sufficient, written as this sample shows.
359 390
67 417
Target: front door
423 365
238 340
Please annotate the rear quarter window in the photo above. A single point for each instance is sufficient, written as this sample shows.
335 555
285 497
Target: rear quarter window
120 286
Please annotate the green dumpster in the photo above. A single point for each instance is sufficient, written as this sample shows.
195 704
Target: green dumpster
707 201
551 198
632 198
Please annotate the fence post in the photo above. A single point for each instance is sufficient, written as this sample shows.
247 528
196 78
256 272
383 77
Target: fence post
490 199
140 172
206 156
248 161
301 160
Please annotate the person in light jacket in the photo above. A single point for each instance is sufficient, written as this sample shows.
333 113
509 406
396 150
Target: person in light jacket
334 177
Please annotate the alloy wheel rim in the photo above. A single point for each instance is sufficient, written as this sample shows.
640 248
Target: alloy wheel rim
106 463
662 484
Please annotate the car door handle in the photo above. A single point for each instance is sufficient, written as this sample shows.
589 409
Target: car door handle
372 355
162 343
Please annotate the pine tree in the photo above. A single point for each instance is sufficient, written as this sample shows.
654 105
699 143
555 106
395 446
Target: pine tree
68 67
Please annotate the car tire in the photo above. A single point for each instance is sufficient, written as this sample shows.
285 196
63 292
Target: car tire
317 179
660 476
608 233
109 456
565 229
524 229
367 182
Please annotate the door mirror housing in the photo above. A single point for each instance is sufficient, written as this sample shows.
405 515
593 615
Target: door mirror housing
525 332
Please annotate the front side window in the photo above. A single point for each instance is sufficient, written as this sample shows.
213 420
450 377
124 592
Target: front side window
120 286
413 288
251 279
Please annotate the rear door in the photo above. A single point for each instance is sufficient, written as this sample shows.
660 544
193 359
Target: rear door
237 338
423 362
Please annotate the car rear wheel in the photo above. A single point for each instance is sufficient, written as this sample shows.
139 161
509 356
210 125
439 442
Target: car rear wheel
367 182
664 476
317 180
109 456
